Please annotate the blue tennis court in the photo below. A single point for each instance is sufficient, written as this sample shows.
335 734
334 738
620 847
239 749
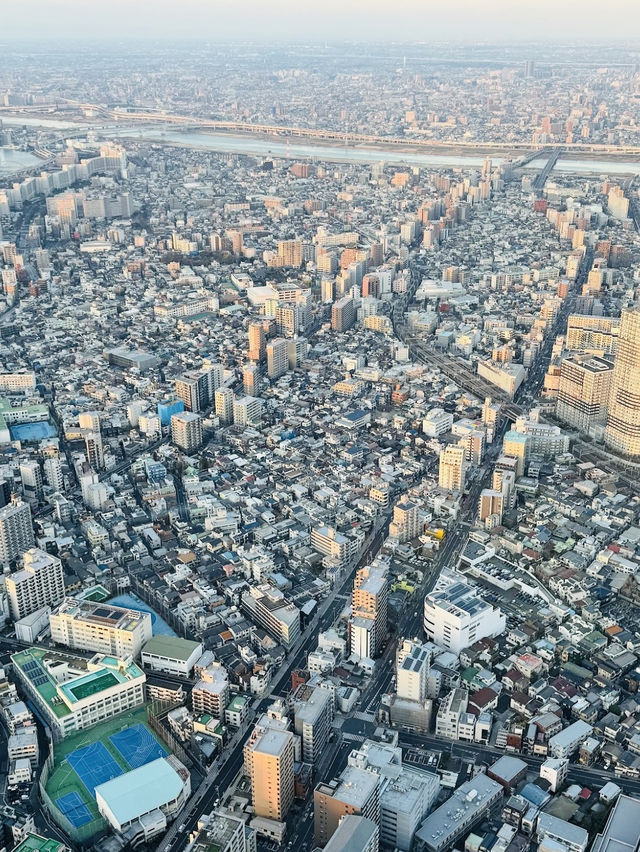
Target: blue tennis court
137 745
94 765
75 810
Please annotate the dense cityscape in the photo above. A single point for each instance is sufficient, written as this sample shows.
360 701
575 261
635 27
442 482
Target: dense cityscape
320 448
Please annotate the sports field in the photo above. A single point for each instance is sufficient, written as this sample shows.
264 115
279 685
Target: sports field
85 761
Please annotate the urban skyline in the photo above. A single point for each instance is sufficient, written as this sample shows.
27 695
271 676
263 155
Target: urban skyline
319 428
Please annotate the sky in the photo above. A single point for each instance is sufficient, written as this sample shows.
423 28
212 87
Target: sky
319 20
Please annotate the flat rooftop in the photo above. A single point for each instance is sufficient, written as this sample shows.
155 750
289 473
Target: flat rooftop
142 790
621 831
84 677
171 646
459 599
36 843
101 614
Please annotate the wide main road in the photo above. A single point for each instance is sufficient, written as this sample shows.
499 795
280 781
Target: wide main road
586 775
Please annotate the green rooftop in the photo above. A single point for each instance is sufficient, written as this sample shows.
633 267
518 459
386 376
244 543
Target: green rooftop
36 843
86 683
237 703
171 646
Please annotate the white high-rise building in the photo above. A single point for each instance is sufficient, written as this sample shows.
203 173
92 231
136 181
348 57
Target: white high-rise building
412 671
106 629
53 473
39 583
456 616
16 531
31 476
247 410
312 720
277 358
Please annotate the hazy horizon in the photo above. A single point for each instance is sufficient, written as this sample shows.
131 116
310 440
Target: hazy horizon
490 21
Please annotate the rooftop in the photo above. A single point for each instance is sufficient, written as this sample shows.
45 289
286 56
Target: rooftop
101 614
37 843
171 646
78 677
142 790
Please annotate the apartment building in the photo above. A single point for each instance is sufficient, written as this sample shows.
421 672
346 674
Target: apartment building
39 583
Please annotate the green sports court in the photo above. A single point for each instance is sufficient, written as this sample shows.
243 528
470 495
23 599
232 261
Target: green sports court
88 759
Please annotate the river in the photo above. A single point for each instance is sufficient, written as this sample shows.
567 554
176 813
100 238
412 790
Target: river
228 143
12 160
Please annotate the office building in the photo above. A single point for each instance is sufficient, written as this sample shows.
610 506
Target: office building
622 434
455 617
355 792
354 834
18 382
452 468
468 805
583 391
277 358
507 377
53 473
543 438
343 314
296 351
333 544
560 832
490 506
412 671
406 793
186 431
568 740
247 410
39 583
452 710
437 422
289 320
197 388
73 693
103 628
224 405
94 449
618 203
515 445
16 531
268 761
368 624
